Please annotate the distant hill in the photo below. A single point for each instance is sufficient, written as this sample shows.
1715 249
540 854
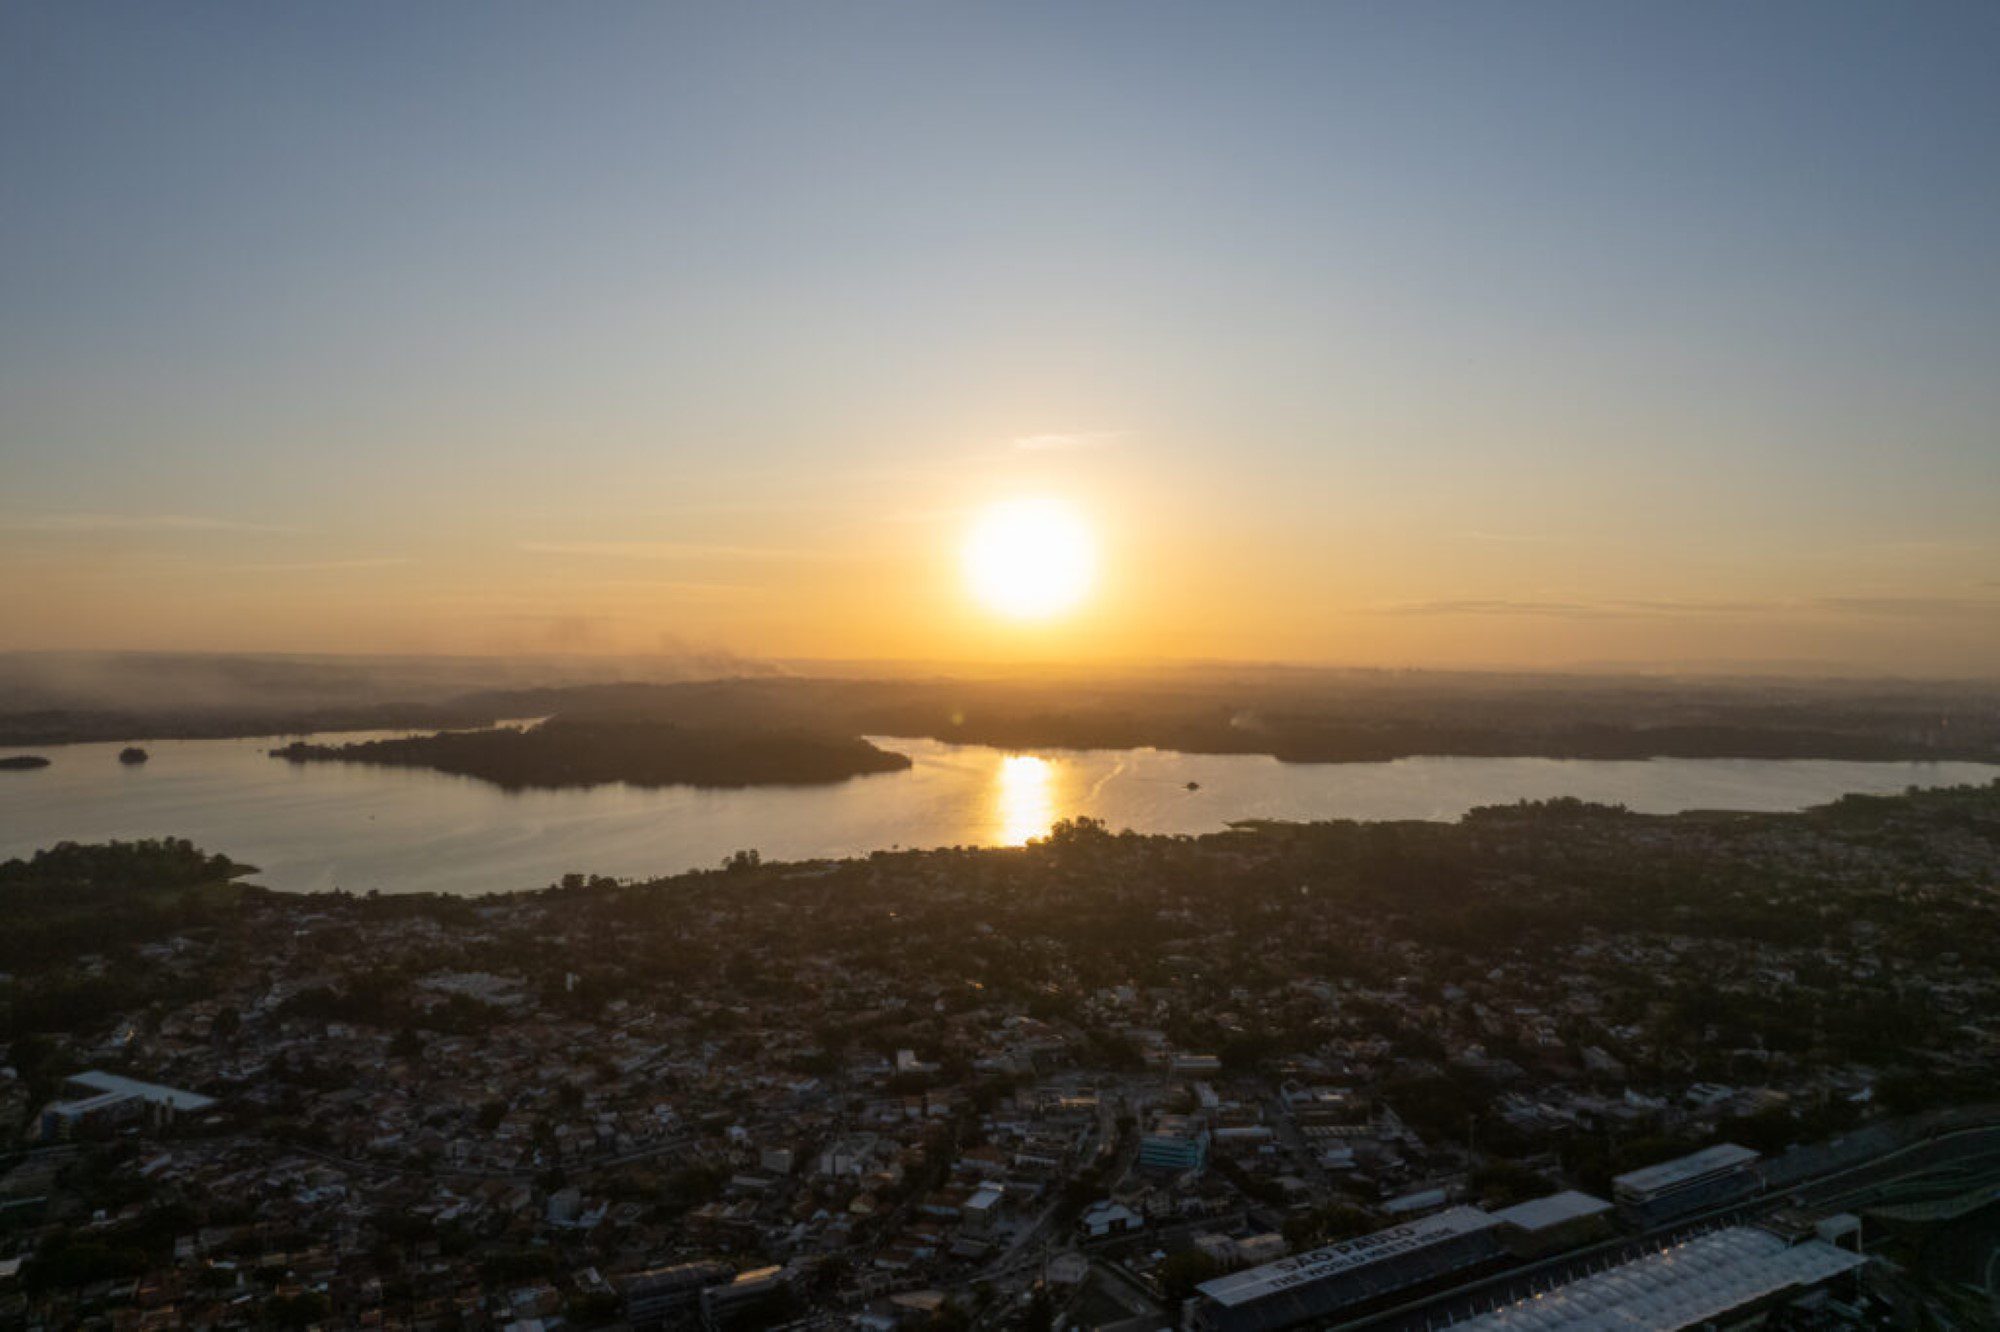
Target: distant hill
1297 716
1327 719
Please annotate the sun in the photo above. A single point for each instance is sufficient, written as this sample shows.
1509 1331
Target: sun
1030 559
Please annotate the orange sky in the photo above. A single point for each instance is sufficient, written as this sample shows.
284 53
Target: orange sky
1552 336
1191 566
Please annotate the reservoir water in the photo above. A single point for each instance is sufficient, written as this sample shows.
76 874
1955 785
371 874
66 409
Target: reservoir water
334 825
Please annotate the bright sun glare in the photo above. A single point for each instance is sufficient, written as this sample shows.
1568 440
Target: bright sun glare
1030 559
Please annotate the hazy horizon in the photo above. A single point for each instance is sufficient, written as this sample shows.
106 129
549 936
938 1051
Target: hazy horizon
286 684
1427 337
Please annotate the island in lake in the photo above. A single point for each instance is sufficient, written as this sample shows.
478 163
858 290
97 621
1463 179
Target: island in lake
564 752
22 762
132 754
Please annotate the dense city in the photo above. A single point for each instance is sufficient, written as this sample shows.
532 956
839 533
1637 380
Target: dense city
1497 1073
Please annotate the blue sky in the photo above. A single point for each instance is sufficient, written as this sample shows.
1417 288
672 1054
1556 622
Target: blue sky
1413 333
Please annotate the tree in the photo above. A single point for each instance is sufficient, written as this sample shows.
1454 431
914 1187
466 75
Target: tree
1503 1183
1310 1229
301 1310
1079 831
1180 1274
30 1052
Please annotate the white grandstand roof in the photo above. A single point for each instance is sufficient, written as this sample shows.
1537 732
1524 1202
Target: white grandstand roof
1318 1264
1554 1210
1688 1284
1667 1174
146 1091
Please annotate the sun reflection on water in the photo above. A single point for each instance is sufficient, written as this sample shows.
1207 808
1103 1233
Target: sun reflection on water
1024 798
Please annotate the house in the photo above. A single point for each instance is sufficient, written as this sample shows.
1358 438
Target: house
1104 1219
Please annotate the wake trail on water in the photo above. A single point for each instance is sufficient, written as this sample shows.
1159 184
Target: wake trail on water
1097 787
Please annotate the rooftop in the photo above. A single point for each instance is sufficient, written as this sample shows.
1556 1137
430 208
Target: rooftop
1318 1264
1685 1285
1667 1174
146 1091
1554 1210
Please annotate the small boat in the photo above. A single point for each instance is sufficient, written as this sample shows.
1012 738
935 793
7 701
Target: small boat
133 754
1194 786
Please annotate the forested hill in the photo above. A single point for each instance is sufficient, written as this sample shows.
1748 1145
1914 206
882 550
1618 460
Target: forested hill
565 752
1332 717
70 897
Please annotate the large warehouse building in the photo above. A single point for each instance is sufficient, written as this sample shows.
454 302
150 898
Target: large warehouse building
1713 1177
1323 1281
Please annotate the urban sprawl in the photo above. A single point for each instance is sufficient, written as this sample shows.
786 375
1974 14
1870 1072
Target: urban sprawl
1552 1066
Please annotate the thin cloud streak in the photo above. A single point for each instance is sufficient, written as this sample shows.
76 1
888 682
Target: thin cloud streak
1912 606
1064 441
661 550
1576 609
132 522
1514 538
1882 606
317 566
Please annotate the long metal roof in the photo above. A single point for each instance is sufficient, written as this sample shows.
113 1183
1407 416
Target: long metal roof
1678 1287
1349 1255
1723 1156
